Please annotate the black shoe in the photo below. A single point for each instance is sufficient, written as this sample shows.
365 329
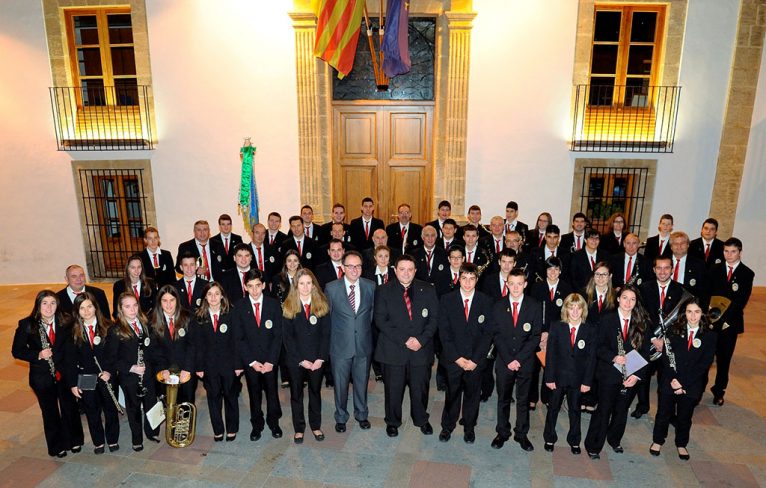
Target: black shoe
444 435
218 438
298 440
231 437
318 437
153 439
594 455
99 450
285 384
461 422
548 447
637 414
524 442
378 378
654 452
498 441
114 447
340 427
76 449
255 435
469 437
138 448
718 401
426 429
618 449
532 407
484 399
364 424
575 449
392 431
329 384
441 387
683 457
276 432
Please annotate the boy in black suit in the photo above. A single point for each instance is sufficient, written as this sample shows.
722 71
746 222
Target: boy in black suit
157 263
361 228
659 245
190 286
708 247
226 240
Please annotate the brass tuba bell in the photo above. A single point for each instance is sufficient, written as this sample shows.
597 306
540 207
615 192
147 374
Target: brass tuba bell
181 419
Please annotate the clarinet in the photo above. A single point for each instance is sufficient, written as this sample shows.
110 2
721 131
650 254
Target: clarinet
109 389
671 355
140 361
621 352
46 345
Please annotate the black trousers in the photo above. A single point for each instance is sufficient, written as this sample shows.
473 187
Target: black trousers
506 379
608 421
574 400
314 380
441 370
223 395
488 379
395 378
642 389
724 350
259 384
544 392
95 403
463 391
284 371
669 406
133 404
61 418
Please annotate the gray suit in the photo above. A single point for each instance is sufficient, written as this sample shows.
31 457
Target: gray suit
350 345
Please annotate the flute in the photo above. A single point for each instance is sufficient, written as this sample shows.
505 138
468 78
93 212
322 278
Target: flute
46 345
109 389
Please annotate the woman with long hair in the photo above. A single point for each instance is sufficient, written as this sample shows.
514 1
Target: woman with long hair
174 344
86 354
136 282
620 332
682 379
131 349
218 364
307 340
40 340
612 242
281 284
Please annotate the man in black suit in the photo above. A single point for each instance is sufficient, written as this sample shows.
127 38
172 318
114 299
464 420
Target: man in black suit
258 323
689 270
511 219
430 260
337 232
404 234
466 337
575 240
233 280
474 253
448 280
190 286
474 218
333 269
733 280
305 247
443 212
659 245
515 242
379 238
708 247
629 265
338 217
539 255
210 255
495 242
266 258
361 228
406 314
448 235
583 263
75 280
310 229
226 240
157 263
275 236
517 323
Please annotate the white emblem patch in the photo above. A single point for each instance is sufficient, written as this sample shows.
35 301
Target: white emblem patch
181 332
581 344
692 282
164 267
313 320
96 341
441 267
481 319
717 260
146 342
696 343
223 328
734 287
308 255
639 281
527 327
424 313
271 259
199 301
269 325
415 242
559 302
218 258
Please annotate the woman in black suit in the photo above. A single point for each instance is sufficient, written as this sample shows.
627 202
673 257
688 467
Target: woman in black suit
40 340
682 382
613 241
130 347
217 363
280 286
307 339
173 341
601 299
381 274
135 282
86 354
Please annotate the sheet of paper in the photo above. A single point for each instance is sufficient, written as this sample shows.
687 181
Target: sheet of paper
633 362
156 415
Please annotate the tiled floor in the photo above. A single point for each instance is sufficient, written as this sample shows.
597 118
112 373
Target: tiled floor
728 446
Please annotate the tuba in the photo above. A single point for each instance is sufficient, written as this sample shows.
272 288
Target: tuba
181 418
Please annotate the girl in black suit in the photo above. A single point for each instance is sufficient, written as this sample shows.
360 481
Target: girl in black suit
130 338
173 341
601 299
135 282
217 363
381 274
280 286
47 326
306 337
613 241
86 354
682 382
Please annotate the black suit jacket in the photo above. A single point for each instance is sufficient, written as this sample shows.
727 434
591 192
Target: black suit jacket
521 227
490 286
145 301
650 294
444 281
165 274
439 263
640 266
537 262
278 238
254 343
541 292
393 322
609 327
368 259
378 279
272 260
692 364
488 243
66 304
483 232
234 239
469 339
695 279
216 350
325 233
306 341
520 342
27 346
357 235
178 352
580 271
737 290
124 351
610 245
435 225
196 301
532 240
652 249
309 251
715 256
480 256
567 242
325 273
231 281
81 358
571 366
413 236
322 254
217 256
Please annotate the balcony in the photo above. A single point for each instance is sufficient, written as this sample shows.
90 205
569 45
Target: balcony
625 118
102 118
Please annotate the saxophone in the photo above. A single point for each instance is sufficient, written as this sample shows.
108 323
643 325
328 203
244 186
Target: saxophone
181 425
46 345
621 352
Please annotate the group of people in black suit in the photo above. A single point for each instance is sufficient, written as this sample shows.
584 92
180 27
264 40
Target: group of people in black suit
497 305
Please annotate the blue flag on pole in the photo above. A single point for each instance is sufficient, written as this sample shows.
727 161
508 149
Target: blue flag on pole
396 49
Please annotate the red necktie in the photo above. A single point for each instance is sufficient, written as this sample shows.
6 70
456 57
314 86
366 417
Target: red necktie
171 327
189 291
156 263
244 280
428 261
553 253
136 329
385 278
553 293
515 313
215 322
446 246
260 258
497 247
258 314
578 243
691 339
404 233
226 244
661 243
51 334
205 262
307 307
572 332
300 252
135 291
728 276
469 256
367 230
600 302
629 270
454 278
271 240
625 330
408 303
662 296
340 272
465 309
308 232
592 264
707 251
91 335
505 290
540 240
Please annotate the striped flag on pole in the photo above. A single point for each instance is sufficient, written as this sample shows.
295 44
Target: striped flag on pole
248 190
338 25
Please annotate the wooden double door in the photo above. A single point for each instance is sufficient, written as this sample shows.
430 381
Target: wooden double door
384 152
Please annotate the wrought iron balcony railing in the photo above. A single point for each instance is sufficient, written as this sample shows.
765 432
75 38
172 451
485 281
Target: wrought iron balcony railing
624 118
102 118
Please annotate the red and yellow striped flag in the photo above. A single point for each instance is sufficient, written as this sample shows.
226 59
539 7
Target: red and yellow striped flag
338 25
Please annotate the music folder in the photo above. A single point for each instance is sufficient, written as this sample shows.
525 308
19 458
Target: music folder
156 415
87 382
633 362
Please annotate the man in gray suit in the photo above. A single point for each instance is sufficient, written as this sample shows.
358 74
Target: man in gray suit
351 306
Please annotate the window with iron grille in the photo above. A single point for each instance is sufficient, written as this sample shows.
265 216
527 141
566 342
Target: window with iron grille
606 191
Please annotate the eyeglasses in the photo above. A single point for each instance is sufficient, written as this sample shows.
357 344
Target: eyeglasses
601 275
353 266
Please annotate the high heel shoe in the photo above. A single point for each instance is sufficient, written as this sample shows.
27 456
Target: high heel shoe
654 452
683 456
